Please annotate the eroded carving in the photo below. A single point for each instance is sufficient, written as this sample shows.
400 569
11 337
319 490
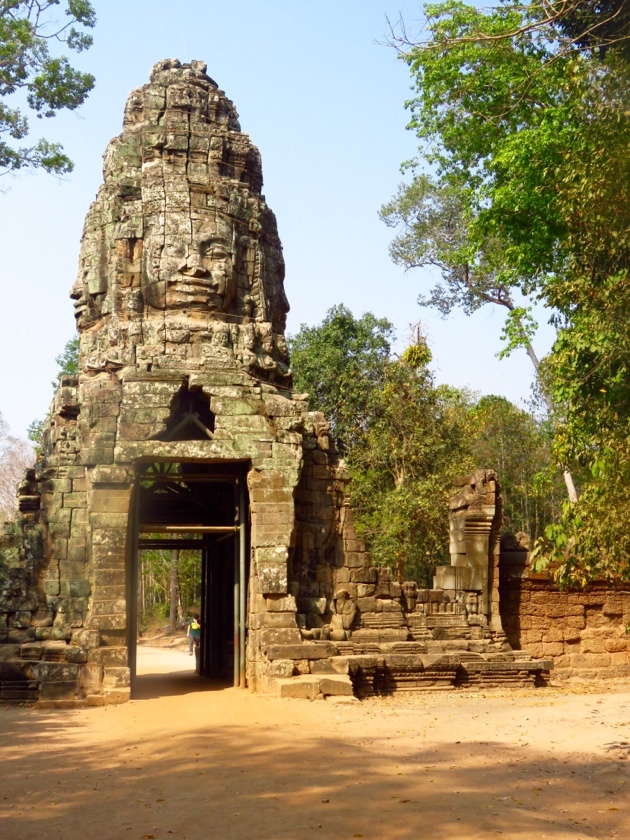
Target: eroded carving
180 230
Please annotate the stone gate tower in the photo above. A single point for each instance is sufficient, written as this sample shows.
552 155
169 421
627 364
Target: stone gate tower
182 429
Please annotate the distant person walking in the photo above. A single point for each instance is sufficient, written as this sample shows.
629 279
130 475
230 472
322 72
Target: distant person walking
194 634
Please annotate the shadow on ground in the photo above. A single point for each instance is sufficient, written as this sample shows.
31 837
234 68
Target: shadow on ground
153 686
270 778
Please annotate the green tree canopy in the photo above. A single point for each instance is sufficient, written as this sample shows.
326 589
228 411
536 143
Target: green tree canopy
409 439
68 360
417 443
517 445
31 74
522 115
340 364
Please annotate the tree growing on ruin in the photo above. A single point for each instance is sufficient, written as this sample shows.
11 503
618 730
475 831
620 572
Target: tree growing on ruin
32 72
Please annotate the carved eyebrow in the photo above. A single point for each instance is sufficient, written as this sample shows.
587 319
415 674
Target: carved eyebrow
215 246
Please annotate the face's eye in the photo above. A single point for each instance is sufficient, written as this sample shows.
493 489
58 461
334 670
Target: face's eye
213 252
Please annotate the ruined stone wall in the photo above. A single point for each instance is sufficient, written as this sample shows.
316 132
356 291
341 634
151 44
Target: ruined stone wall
583 632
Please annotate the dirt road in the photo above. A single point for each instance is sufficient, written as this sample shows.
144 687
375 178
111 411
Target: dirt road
212 763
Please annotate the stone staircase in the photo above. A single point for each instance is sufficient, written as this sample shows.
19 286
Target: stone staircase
372 669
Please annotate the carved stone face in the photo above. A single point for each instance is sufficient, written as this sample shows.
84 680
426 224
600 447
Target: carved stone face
217 260
204 280
221 335
171 231
90 289
87 307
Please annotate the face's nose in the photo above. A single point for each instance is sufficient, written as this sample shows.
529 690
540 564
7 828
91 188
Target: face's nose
193 266
76 292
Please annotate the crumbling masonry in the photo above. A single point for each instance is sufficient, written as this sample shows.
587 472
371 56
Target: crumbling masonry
182 420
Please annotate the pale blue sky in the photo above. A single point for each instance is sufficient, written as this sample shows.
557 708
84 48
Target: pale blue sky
323 101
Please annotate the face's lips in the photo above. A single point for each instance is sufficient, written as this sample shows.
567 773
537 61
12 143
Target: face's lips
80 308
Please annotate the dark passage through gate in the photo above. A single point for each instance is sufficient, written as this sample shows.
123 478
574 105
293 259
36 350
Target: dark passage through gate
200 507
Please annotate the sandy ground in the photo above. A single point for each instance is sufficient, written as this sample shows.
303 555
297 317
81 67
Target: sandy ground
190 760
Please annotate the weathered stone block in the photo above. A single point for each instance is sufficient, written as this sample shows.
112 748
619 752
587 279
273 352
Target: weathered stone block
110 577
367 605
77 588
280 636
115 696
77 550
107 521
74 500
115 676
342 575
71 569
109 474
86 639
58 690
106 622
272 577
307 650
280 603
366 575
60 531
20 619
113 656
298 688
110 501
355 559
321 666
281 668
337 686
553 648
113 607
55 671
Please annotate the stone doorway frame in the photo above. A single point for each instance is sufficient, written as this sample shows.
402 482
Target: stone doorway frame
237 478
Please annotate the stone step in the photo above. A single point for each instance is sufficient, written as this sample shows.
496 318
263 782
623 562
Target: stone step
312 686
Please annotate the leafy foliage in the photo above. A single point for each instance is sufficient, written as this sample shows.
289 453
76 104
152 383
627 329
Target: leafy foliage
68 360
29 72
410 439
518 446
522 114
340 364
417 442
155 583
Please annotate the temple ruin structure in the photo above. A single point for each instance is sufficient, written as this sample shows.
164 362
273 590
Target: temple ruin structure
181 429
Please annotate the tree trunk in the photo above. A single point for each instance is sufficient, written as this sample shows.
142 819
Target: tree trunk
566 474
172 623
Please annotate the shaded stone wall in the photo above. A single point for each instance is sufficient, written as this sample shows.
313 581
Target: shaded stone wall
583 632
